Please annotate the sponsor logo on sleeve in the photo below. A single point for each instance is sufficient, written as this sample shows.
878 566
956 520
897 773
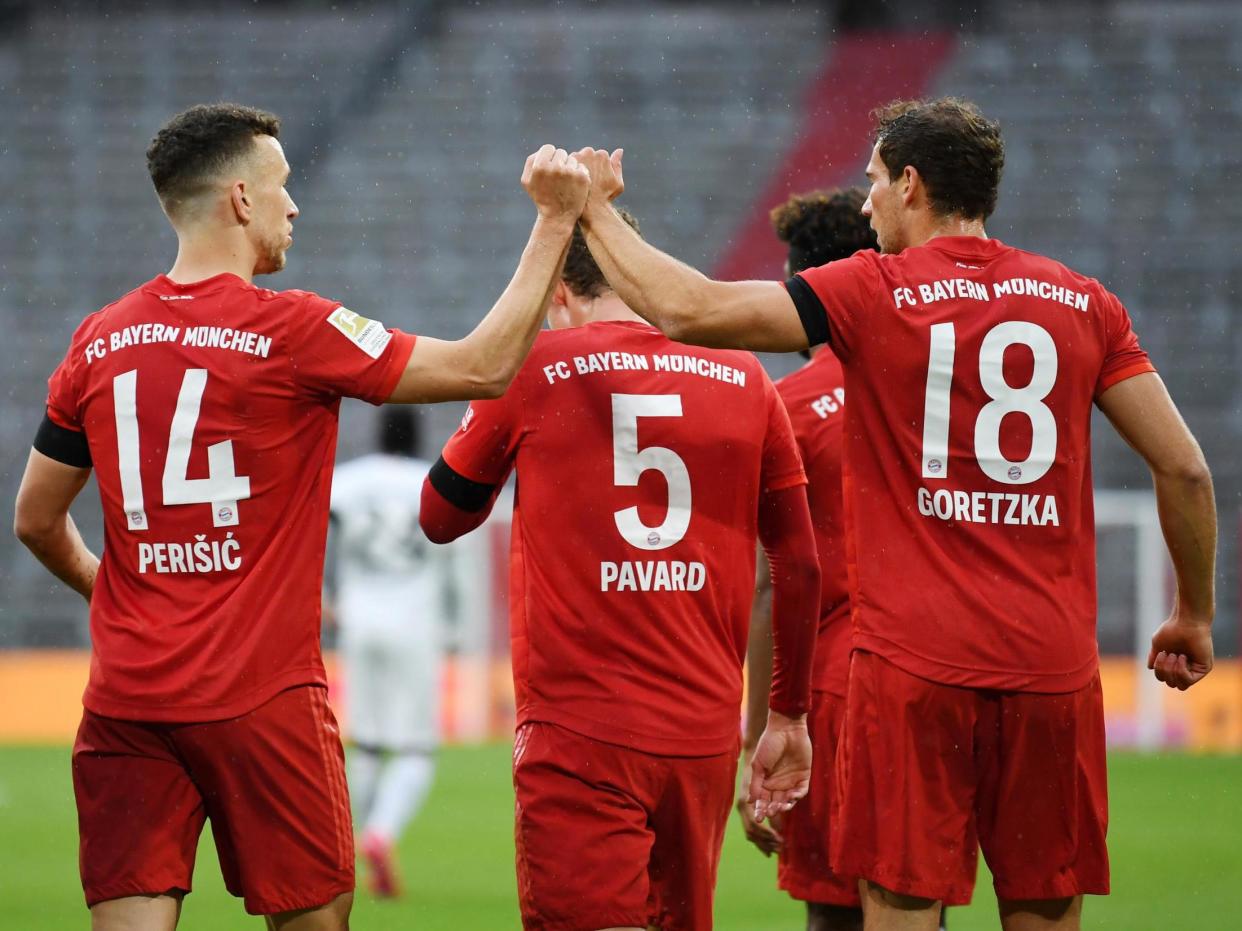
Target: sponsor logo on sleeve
368 335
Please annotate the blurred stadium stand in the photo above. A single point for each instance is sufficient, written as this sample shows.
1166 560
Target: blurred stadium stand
407 125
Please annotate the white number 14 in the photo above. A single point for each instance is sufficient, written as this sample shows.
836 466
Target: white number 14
222 488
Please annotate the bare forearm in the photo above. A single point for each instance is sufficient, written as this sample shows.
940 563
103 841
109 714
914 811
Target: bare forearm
499 344
1187 508
667 293
61 549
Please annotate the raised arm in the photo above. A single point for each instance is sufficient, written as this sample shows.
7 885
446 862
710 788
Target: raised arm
685 304
42 521
1143 413
482 364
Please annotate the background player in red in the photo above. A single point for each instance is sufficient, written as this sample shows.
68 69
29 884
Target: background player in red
974 713
644 471
818 227
208 408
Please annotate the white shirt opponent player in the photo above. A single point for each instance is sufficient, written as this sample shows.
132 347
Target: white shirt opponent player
389 606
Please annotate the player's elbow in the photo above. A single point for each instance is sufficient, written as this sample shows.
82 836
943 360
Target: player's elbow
438 532
1186 467
490 378
31 527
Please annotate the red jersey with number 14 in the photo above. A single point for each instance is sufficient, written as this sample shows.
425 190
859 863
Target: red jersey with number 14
971 368
210 410
640 463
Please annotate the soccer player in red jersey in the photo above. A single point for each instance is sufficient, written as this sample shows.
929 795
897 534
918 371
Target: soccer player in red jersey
974 713
644 471
818 228
208 408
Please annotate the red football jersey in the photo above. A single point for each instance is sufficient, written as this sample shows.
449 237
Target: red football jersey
640 463
814 395
210 411
971 368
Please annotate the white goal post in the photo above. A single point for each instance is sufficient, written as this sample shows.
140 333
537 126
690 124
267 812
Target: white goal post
1152 599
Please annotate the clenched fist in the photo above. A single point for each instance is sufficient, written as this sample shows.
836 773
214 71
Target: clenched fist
556 182
605 169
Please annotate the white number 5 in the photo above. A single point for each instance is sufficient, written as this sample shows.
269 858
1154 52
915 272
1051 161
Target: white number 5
630 462
222 488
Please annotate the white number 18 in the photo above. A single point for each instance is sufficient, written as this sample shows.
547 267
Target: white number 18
1006 399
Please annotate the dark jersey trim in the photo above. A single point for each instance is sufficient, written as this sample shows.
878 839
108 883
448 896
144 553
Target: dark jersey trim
62 444
458 490
810 310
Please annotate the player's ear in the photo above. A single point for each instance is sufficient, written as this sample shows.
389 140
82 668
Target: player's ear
910 185
240 201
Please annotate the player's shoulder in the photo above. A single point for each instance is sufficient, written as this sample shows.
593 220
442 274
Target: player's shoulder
1045 266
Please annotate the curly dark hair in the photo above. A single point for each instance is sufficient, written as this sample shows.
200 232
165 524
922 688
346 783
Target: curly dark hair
192 148
581 273
822 226
957 151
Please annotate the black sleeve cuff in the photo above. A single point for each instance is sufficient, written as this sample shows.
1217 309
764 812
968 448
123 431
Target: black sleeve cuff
458 490
810 310
63 445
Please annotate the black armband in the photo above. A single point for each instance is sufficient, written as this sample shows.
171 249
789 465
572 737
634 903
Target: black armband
810 310
458 490
62 444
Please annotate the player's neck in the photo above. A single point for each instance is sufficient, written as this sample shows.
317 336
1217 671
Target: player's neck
935 226
201 256
609 307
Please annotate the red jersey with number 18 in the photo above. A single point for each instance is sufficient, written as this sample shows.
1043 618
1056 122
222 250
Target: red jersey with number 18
971 368
640 464
210 411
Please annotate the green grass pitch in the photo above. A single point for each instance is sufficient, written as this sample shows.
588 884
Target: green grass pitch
1176 840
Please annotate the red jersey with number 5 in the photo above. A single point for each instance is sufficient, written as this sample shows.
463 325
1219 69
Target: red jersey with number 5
814 395
971 369
210 411
640 463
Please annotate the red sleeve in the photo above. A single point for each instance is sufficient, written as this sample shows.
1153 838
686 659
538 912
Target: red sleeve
485 445
831 297
782 463
789 543
335 352
462 486
442 520
63 395
1123 356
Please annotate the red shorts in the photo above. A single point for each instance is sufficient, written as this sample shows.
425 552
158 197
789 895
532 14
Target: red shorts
928 773
804 870
608 836
272 781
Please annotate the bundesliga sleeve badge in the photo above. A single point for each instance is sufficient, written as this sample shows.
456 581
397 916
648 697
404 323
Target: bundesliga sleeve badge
368 335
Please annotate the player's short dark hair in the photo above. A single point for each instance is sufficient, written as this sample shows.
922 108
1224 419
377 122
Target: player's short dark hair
399 431
196 144
581 273
822 226
957 151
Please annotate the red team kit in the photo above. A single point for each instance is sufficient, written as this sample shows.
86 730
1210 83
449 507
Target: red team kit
970 371
645 469
960 466
210 411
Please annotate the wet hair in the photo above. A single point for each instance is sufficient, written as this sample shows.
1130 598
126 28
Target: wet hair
192 148
822 226
957 151
399 431
581 272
